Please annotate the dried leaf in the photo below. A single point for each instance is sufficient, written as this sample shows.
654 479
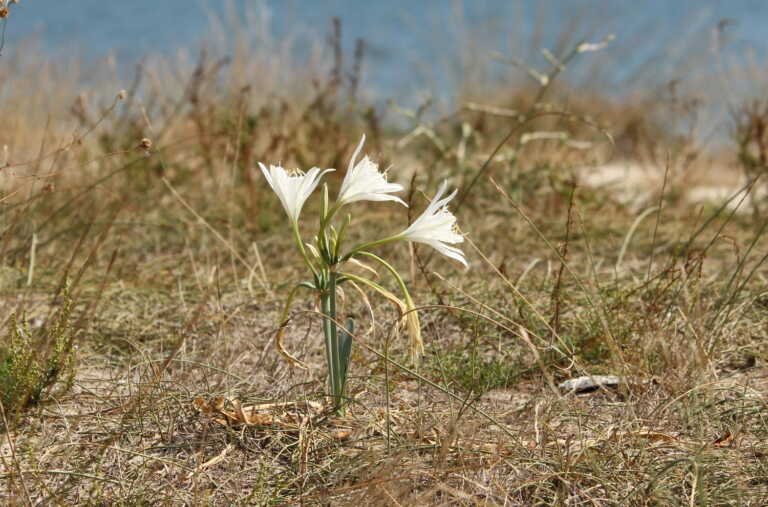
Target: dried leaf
282 350
201 405
239 414
653 436
208 407
257 415
341 434
725 440
215 460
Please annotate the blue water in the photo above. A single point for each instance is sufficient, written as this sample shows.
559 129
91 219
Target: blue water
413 45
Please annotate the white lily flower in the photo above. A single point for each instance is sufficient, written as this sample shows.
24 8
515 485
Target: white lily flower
437 226
364 182
294 188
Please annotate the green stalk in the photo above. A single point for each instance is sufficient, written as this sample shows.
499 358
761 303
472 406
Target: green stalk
392 271
332 353
366 246
300 245
411 315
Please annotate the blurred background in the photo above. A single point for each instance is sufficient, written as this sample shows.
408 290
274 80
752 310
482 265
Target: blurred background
428 46
667 80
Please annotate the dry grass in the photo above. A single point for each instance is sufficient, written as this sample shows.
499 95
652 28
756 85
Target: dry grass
178 264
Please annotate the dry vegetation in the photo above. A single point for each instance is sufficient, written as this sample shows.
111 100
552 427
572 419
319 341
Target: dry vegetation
136 232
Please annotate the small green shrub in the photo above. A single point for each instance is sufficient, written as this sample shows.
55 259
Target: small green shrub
472 372
33 364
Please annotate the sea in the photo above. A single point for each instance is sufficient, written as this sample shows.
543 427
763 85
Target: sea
417 47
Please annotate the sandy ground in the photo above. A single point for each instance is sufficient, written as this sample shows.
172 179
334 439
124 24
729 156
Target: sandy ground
635 184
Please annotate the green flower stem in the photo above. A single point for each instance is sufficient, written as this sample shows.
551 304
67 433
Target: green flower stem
359 250
378 288
410 314
394 273
325 219
328 305
340 236
297 238
331 213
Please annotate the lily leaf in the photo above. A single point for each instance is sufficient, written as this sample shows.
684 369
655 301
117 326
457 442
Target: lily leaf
345 347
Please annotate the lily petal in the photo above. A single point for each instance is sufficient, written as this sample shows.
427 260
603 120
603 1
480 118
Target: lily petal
436 227
293 189
364 182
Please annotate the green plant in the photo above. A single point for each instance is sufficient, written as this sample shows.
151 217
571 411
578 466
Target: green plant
477 373
33 363
325 258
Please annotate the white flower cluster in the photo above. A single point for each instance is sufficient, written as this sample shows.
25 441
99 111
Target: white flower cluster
435 227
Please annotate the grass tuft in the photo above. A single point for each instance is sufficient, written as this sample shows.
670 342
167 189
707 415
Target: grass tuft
37 363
